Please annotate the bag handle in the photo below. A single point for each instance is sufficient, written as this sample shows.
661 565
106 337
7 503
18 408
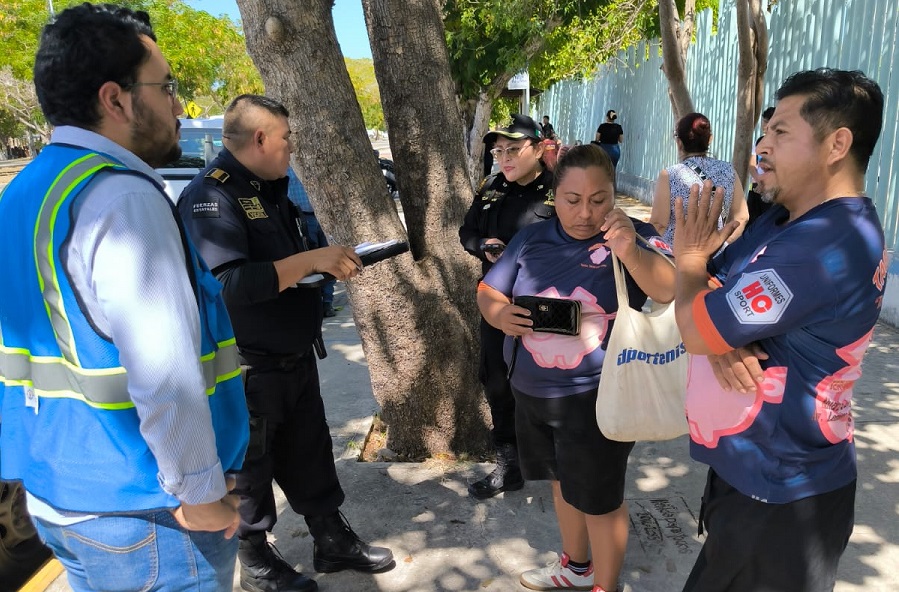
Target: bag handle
618 268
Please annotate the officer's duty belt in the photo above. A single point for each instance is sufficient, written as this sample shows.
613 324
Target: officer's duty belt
262 361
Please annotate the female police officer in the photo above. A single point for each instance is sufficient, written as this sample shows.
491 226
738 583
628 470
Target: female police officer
517 195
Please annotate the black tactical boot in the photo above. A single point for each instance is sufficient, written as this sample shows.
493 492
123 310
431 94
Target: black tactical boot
262 569
337 547
505 477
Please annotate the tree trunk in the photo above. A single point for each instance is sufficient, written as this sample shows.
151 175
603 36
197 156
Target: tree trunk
676 37
477 129
416 314
746 97
752 37
760 27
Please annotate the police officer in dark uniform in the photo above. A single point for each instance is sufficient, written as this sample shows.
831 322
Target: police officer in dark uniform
518 195
253 238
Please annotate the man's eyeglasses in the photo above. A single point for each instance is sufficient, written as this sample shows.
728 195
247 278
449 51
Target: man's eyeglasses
169 86
511 152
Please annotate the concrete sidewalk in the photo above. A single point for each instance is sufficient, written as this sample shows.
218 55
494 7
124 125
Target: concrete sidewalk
445 541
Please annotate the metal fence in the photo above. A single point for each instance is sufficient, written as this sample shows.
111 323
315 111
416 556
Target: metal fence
804 34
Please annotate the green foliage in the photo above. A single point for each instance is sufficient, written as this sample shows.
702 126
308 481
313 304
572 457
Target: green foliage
9 126
503 108
362 75
555 39
487 38
207 54
576 49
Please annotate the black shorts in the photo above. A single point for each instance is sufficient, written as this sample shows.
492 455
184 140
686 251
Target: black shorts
558 440
754 546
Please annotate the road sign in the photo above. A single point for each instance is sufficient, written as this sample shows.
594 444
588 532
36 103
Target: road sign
520 81
192 109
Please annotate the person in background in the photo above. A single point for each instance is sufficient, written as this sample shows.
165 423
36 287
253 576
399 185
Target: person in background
755 205
550 153
314 233
693 136
609 136
546 129
238 214
555 377
126 432
518 195
785 331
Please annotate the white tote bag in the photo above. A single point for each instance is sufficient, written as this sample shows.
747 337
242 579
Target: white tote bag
644 375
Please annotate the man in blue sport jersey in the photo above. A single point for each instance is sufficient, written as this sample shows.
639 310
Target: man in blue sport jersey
784 328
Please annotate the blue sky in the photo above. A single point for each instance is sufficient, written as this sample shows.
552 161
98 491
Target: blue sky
348 21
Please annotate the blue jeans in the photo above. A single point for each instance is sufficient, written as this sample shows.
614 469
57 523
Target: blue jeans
614 152
141 552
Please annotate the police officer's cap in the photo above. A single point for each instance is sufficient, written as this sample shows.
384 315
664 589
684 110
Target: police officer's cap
520 127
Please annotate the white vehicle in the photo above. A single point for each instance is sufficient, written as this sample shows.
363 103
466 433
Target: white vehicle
201 141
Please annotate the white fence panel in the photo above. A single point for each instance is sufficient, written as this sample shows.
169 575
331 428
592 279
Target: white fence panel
804 34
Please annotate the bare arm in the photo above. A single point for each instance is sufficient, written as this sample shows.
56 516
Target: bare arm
739 211
502 314
651 271
341 262
739 369
661 204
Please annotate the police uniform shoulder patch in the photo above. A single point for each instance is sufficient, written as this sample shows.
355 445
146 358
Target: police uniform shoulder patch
208 208
252 207
218 174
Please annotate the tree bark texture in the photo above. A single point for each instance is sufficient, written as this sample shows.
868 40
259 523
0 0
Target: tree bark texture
676 37
760 28
753 62
476 130
416 314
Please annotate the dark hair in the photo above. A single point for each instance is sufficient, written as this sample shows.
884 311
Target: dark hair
695 132
582 157
234 127
611 115
768 113
839 98
84 48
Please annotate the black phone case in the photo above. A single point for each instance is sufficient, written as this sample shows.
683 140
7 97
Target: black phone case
552 315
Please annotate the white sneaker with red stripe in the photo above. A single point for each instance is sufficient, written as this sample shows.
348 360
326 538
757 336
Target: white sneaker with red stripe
557 576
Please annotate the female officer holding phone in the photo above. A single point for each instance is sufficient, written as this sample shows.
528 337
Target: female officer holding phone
519 194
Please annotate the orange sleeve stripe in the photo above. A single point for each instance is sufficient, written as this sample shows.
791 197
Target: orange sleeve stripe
706 327
714 284
482 287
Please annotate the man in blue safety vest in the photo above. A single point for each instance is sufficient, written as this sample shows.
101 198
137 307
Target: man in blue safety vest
122 405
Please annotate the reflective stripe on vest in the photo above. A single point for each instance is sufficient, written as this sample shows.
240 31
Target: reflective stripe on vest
62 376
55 378
65 182
105 388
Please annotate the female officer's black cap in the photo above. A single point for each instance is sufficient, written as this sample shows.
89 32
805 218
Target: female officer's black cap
520 127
